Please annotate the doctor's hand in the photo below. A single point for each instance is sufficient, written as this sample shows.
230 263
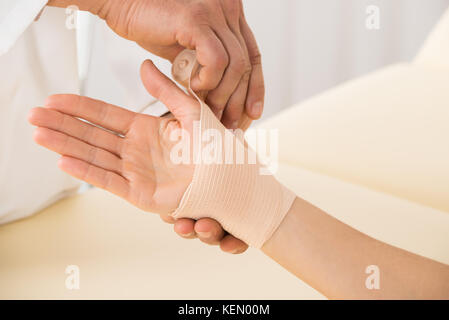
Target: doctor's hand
131 158
217 29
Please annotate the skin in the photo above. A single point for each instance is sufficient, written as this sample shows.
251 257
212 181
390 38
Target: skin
227 51
322 251
332 258
130 168
217 29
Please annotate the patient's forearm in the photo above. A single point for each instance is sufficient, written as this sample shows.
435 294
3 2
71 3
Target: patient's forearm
332 257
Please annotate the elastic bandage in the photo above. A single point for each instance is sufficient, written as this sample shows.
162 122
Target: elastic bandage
248 203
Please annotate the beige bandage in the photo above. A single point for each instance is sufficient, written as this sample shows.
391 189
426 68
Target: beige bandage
248 204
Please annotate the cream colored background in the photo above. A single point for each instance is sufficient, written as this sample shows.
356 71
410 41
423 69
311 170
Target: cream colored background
307 47
312 45
372 153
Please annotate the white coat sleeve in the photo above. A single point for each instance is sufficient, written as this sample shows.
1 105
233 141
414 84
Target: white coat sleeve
15 17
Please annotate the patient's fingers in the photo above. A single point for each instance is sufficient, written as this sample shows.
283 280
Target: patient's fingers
185 228
72 147
98 177
74 127
231 244
167 219
98 112
209 231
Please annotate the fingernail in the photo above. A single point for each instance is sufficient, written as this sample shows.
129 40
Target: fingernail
205 235
187 234
235 125
256 109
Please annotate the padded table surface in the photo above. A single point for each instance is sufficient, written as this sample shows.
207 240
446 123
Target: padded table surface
125 253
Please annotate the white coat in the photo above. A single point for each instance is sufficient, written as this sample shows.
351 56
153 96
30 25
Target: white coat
49 55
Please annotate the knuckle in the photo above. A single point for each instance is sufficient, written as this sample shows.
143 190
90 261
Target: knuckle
246 76
221 60
89 134
197 13
108 179
216 108
65 144
247 72
92 155
232 8
215 104
198 9
256 58
234 111
238 65
104 112
260 89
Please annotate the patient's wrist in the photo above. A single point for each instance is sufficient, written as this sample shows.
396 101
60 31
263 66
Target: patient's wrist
248 203
232 188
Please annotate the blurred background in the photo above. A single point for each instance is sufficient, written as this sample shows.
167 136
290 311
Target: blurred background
307 47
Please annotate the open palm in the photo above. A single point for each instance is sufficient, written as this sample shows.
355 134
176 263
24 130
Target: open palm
131 162
127 153
131 158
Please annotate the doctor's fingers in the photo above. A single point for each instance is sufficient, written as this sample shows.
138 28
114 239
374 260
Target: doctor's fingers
55 120
230 95
235 107
256 91
72 147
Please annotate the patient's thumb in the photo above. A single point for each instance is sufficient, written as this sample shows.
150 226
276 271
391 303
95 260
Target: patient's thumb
165 90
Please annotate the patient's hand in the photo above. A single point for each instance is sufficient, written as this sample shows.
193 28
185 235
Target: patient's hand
132 157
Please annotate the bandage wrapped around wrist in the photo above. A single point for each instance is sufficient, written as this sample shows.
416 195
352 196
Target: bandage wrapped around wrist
248 203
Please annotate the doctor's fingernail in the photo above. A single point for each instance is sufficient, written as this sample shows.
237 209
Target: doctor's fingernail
256 109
